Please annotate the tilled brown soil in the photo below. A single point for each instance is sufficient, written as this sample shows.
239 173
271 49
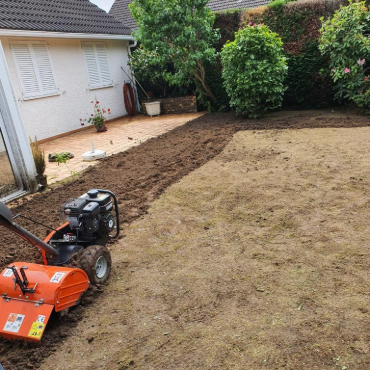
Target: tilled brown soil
138 176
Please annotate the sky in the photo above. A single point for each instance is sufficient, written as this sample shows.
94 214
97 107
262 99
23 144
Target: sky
104 4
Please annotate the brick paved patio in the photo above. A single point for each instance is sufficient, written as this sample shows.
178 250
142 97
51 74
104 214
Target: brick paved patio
121 135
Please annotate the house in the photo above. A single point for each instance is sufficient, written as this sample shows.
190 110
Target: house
121 11
55 57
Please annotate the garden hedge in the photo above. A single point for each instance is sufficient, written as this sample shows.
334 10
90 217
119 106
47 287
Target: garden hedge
298 23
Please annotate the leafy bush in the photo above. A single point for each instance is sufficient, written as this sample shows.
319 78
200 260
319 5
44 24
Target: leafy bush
181 32
254 68
148 69
308 84
344 39
228 23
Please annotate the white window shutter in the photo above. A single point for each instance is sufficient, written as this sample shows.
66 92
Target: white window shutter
44 70
26 69
34 69
102 57
91 65
97 65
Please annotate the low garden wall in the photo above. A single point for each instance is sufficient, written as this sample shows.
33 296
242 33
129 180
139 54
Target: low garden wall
183 104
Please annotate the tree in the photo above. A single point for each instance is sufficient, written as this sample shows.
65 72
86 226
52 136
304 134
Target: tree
180 32
254 69
145 66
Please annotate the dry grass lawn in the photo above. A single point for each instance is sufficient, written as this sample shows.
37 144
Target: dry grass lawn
257 260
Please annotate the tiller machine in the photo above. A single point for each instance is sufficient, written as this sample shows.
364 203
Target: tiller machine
29 292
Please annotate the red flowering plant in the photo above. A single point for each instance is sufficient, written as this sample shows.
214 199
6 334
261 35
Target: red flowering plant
98 118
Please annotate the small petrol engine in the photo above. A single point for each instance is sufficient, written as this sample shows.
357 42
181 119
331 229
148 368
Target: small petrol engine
90 214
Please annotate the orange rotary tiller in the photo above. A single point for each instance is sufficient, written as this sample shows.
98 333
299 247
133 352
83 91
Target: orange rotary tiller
29 292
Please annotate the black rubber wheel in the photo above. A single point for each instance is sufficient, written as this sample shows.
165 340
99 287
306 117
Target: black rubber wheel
97 263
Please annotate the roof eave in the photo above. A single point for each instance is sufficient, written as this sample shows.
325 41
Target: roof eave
63 35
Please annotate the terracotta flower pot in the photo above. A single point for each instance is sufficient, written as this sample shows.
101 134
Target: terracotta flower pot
101 128
42 180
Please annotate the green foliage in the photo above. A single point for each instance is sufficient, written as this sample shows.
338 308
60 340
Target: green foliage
98 118
38 157
147 68
227 23
254 68
298 25
214 80
308 83
180 32
63 158
344 39
278 4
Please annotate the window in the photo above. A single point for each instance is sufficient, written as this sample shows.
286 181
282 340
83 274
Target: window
34 69
96 59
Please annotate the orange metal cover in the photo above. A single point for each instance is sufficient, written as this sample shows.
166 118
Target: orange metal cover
57 288
23 320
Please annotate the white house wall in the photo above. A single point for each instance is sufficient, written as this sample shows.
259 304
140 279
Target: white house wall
50 116
2 147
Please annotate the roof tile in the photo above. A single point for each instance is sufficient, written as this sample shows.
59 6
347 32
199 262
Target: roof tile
75 16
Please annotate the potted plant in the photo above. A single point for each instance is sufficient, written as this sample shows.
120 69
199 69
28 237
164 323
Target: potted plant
98 118
40 163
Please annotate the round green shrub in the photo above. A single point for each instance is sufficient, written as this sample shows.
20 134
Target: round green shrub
254 69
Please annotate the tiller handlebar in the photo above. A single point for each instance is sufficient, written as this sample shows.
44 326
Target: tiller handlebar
6 220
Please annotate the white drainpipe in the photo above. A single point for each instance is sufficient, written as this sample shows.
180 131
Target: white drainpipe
132 76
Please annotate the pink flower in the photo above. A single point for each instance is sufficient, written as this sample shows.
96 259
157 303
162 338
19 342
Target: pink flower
347 70
361 62
91 102
250 24
97 102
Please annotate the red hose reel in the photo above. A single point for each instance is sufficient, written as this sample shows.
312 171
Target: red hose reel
129 99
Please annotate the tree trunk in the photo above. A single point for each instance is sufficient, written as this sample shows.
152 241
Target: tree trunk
200 75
